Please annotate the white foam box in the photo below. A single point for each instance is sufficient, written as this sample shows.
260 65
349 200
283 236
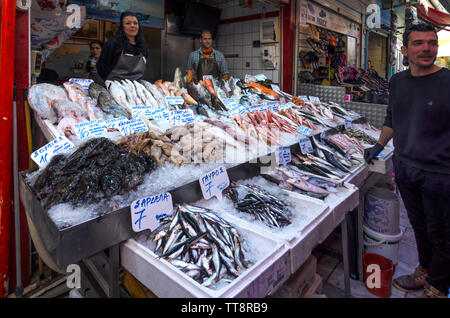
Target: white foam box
269 272
301 236
358 176
384 164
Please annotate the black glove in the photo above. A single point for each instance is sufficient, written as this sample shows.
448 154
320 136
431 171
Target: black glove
372 152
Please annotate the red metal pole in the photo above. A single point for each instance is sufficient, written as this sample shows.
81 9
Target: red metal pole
22 79
7 37
288 42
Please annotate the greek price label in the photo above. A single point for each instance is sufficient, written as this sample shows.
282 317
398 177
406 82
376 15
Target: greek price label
142 111
114 123
314 99
348 124
283 155
233 107
181 117
44 154
274 106
260 77
229 103
305 146
258 107
161 115
214 182
132 126
287 106
146 212
174 100
249 78
304 98
208 76
304 130
84 82
276 88
90 128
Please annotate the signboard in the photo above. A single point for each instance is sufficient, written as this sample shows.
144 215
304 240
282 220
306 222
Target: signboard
149 12
313 14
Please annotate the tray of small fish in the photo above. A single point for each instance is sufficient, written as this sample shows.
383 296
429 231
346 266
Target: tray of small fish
197 253
300 232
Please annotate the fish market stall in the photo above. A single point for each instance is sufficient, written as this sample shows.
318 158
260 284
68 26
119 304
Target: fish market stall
291 165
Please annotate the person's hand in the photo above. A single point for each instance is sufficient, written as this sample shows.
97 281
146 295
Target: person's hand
372 152
226 77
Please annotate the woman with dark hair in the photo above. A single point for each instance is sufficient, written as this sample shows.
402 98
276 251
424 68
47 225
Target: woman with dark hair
125 55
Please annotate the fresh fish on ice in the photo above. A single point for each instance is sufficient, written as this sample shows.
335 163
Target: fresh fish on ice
42 96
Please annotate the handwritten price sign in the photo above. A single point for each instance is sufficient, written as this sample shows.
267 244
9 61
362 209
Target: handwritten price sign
43 155
214 182
146 212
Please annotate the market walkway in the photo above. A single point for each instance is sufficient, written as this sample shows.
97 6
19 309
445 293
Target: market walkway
332 271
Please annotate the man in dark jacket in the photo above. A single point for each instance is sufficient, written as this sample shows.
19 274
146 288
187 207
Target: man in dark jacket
418 119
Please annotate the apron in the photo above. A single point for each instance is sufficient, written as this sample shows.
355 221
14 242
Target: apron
128 67
207 67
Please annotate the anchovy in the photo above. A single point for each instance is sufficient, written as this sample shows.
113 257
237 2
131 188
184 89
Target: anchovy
207 256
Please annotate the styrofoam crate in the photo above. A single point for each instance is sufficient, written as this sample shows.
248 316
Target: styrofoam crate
269 272
384 164
358 176
300 239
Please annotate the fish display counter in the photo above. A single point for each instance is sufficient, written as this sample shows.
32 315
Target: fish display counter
133 139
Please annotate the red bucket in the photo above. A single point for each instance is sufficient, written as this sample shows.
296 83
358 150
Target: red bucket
378 272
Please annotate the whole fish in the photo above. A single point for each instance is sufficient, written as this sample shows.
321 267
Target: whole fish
157 95
65 108
109 106
146 96
178 78
95 90
119 94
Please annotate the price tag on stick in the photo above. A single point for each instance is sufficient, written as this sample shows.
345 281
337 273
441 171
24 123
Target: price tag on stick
304 131
146 212
43 155
214 182
305 146
283 155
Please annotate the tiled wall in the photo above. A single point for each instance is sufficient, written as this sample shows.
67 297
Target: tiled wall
237 38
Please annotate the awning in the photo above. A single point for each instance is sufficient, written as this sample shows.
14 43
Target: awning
434 16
